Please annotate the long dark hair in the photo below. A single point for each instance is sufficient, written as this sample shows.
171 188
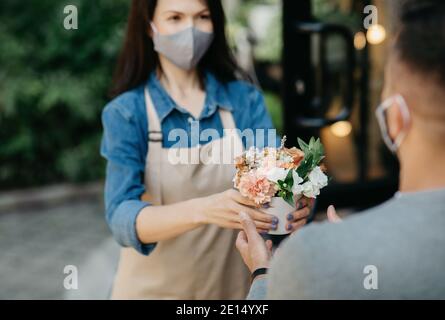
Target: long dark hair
138 57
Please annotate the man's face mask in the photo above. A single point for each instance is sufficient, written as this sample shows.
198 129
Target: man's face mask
396 101
185 48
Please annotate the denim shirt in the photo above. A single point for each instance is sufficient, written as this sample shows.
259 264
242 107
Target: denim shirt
125 141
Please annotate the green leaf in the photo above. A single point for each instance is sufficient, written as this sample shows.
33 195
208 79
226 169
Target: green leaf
289 198
311 143
289 179
313 155
284 186
303 146
305 167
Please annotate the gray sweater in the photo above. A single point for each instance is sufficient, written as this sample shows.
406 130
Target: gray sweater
394 251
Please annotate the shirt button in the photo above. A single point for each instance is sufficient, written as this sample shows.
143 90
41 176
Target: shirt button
190 120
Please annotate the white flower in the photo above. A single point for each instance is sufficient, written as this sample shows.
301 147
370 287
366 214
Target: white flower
318 178
297 188
296 177
276 174
310 190
269 161
251 155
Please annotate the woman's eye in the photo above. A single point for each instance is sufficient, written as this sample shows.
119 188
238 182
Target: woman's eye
174 18
205 16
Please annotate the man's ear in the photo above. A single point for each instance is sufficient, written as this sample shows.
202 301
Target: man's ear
395 120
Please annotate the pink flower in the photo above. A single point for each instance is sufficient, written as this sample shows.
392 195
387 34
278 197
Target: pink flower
256 187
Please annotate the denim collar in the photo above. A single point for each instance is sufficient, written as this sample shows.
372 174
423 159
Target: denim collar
216 97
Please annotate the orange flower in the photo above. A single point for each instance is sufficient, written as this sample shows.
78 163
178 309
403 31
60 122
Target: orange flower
296 154
240 163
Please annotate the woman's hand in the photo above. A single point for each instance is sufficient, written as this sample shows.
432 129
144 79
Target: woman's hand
297 219
223 210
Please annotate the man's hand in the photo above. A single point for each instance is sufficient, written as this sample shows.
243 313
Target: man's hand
255 252
332 215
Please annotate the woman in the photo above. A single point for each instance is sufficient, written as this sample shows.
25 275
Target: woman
177 220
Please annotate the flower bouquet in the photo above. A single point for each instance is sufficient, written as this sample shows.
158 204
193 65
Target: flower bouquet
276 178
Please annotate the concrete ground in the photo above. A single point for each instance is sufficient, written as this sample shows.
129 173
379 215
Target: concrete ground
36 245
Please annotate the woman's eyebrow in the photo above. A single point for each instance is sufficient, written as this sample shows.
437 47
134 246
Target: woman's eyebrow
204 11
172 12
179 12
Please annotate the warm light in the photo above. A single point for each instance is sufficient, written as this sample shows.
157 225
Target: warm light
376 34
359 40
341 129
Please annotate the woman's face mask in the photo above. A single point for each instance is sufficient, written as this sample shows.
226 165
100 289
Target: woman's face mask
382 118
185 48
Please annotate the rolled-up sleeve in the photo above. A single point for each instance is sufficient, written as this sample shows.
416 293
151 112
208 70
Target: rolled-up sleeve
121 147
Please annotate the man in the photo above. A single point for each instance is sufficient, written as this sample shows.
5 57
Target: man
396 250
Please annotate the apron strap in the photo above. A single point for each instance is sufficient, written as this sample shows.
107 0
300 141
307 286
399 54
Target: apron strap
154 151
231 132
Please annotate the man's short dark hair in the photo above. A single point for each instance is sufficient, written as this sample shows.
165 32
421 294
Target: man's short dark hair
420 40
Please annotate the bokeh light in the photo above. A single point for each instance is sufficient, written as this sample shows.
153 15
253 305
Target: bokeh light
376 34
341 129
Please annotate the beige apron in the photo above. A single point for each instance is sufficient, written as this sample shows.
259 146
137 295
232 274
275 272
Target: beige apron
202 263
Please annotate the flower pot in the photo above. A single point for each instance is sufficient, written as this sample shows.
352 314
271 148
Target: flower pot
279 208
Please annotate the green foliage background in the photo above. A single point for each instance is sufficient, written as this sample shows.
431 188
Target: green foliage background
53 86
